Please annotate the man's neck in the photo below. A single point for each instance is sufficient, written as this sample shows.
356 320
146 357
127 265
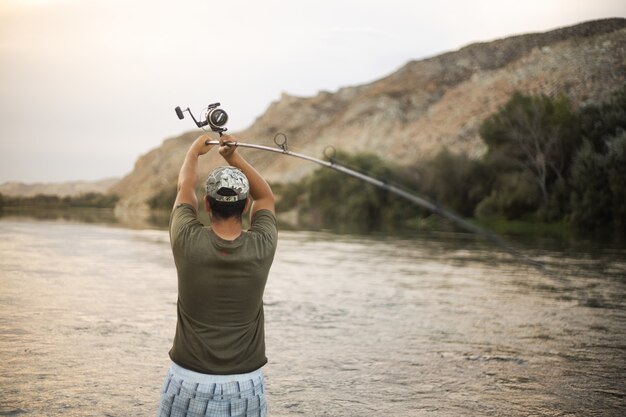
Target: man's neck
227 229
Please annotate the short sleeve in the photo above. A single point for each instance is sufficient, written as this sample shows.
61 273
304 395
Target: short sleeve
263 223
182 221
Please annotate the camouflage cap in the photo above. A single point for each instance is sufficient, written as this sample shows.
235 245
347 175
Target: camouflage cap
227 178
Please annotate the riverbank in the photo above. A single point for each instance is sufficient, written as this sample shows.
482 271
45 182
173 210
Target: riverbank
292 220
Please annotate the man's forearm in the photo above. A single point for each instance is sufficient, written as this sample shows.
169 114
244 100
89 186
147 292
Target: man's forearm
188 174
188 171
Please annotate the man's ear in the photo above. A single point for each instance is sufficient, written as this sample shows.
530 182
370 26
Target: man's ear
207 205
248 204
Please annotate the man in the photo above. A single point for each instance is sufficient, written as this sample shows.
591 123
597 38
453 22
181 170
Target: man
219 345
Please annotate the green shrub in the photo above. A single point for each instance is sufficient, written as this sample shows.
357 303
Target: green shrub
456 181
350 203
290 196
601 123
616 178
164 199
515 197
591 198
536 135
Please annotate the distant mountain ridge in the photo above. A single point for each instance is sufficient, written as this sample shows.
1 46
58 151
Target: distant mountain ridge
61 189
415 112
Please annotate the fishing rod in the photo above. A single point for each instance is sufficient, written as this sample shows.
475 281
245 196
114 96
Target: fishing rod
280 139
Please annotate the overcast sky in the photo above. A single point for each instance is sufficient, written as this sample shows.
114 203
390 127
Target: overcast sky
86 86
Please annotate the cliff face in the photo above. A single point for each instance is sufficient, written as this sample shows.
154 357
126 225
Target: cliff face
416 111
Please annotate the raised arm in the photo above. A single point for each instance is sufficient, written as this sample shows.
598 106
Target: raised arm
188 174
259 188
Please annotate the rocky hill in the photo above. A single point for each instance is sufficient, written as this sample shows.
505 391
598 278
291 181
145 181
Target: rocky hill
415 112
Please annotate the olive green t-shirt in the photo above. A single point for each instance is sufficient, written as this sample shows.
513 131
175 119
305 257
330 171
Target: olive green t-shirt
220 327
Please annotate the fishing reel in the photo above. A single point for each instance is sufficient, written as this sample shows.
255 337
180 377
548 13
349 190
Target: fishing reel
212 116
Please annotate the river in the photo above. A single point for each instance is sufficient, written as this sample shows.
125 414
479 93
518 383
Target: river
437 324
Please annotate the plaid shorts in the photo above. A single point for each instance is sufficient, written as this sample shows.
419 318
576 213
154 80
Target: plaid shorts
190 394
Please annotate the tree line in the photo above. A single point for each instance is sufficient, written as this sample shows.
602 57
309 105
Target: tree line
546 161
87 200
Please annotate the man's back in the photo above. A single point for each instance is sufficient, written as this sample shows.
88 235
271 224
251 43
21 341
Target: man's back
220 293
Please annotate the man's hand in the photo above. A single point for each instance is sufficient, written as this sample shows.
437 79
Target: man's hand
199 147
227 150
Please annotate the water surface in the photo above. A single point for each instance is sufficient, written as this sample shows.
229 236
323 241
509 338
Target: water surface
433 325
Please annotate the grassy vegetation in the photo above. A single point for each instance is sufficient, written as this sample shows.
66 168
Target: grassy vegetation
550 167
